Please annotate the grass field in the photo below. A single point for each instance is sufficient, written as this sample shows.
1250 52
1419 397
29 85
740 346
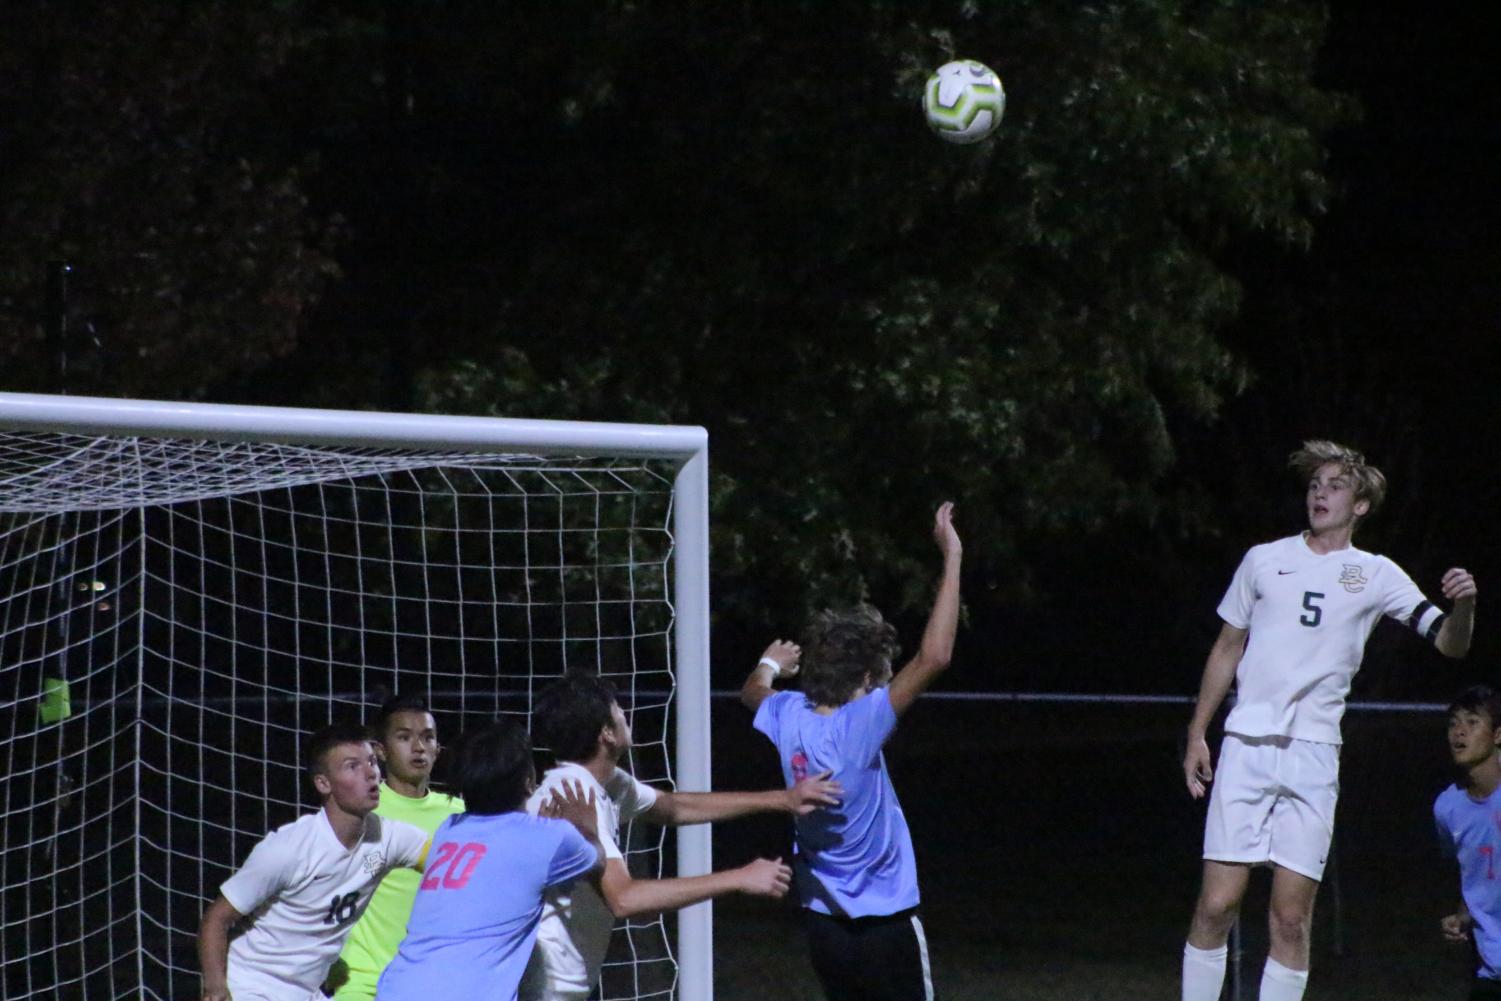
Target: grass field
1059 859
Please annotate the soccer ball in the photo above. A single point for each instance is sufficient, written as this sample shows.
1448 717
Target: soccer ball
964 101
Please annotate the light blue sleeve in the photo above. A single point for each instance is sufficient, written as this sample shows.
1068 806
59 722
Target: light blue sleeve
573 857
1446 845
769 713
865 724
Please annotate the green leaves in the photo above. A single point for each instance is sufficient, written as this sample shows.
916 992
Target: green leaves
140 148
730 215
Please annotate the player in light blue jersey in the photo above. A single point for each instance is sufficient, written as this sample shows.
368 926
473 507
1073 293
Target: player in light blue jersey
475 917
855 868
1468 816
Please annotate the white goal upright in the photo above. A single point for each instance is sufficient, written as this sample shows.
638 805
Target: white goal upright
187 590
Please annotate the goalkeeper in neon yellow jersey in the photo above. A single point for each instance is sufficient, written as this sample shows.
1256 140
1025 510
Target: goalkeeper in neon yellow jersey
407 744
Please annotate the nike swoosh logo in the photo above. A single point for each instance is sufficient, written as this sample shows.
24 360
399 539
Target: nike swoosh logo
1283 573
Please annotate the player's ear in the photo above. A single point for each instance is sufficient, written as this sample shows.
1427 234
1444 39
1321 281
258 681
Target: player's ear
322 784
380 750
1362 507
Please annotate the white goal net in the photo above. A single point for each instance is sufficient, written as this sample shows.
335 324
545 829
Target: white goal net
186 592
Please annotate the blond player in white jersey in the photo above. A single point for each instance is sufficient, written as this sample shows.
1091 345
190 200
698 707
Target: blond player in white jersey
1296 619
306 883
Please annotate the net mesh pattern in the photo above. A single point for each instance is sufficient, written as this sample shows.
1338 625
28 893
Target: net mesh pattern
202 606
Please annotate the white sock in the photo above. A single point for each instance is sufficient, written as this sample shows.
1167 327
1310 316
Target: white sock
1203 973
1278 983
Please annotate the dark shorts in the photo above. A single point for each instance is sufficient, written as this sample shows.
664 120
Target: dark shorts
870 959
1485 990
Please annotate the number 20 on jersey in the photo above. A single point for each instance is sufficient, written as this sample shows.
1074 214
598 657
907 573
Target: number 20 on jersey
453 865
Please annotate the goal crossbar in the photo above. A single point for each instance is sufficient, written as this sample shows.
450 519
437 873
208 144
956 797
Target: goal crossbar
354 428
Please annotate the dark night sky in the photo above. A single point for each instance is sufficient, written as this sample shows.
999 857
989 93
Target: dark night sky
1383 334
1393 348
1409 260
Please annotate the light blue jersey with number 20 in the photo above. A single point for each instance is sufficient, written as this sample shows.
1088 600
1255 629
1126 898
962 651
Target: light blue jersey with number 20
475 918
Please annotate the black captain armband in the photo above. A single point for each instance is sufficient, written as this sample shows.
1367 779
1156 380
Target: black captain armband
1426 620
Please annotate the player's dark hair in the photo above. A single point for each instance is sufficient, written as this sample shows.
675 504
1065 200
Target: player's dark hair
569 714
841 648
1368 481
315 754
398 703
493 767
1479 699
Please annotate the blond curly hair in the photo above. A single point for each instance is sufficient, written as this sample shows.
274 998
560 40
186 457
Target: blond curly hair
1369 482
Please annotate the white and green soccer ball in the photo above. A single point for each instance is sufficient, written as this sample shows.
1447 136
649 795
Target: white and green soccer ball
964 101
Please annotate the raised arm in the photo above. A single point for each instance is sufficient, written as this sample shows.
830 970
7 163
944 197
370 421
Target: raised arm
780 660
707 807
1219 671
938 638
628 897
1453 638
213 948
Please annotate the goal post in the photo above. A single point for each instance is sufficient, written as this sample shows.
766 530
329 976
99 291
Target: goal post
253 530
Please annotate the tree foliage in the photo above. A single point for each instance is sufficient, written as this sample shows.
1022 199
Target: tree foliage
725 214
139 145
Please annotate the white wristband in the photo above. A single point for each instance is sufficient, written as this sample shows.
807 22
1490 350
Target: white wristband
776 668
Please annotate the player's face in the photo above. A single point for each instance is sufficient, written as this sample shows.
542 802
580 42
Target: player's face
620 727
351 778
1331 500
411 745
1472 737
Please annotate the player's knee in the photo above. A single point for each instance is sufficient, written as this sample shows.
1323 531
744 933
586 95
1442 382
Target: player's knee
1219 903
1215 914
1290 921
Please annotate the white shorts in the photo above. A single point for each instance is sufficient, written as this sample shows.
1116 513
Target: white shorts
1273 801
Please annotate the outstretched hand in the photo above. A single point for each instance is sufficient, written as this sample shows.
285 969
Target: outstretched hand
786 653
943 530
813 792
569 803
765 878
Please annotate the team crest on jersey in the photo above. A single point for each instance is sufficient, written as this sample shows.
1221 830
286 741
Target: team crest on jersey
373 862
1351 577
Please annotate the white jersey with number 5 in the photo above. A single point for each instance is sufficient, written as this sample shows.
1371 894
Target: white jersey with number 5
302 892
1308 617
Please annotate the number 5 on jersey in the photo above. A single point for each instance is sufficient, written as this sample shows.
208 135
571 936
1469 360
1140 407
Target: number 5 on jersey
1315 613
